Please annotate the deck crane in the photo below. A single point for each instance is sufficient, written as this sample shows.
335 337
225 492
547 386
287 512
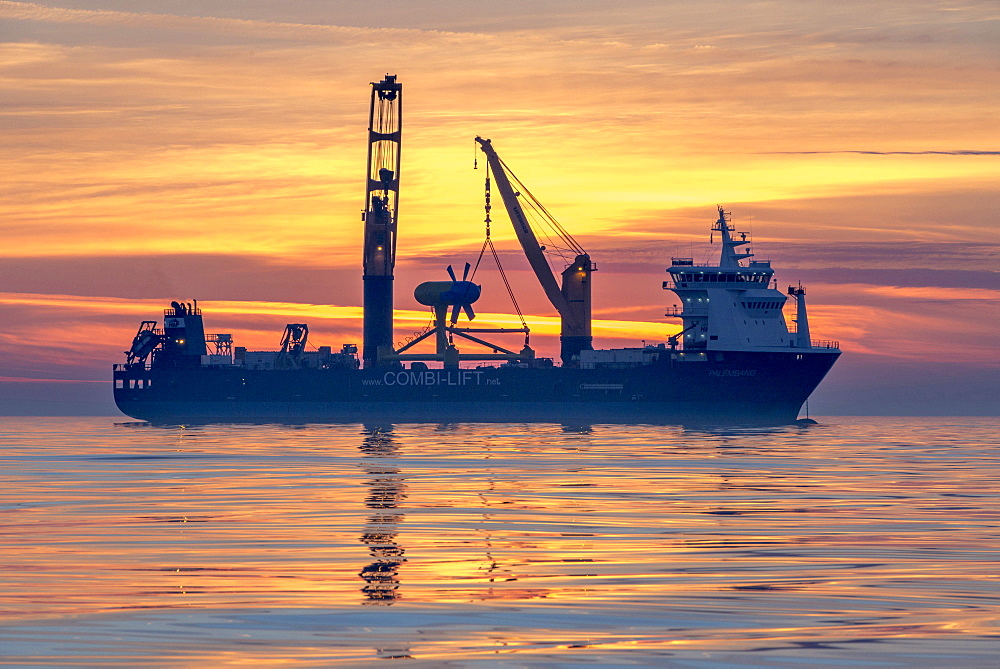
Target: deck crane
572 299
385 125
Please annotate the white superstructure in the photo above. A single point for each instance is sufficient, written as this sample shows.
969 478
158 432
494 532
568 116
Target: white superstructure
735 305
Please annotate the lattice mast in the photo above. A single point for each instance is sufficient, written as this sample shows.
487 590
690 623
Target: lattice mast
385 123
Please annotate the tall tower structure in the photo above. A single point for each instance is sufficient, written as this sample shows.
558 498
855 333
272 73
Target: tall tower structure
385 124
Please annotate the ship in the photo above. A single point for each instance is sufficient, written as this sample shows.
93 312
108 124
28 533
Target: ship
735 360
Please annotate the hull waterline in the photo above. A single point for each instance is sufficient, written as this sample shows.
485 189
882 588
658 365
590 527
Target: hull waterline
740 388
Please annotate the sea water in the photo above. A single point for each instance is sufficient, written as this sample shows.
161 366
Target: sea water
854 542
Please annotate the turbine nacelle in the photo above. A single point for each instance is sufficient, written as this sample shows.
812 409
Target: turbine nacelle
456 294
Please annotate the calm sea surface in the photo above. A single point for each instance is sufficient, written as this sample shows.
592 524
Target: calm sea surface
856 542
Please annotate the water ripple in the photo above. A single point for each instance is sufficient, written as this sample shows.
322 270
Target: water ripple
862 542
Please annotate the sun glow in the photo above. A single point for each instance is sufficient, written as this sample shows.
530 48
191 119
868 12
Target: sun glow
157 155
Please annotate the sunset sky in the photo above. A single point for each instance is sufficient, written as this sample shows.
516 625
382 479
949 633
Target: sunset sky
216 151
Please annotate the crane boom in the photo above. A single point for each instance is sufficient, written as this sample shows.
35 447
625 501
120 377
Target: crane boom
572 299
525 235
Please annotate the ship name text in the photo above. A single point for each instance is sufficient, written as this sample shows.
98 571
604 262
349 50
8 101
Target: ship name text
433 377
732 372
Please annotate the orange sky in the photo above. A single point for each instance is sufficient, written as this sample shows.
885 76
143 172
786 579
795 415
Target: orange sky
156 151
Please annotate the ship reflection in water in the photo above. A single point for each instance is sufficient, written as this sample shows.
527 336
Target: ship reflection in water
852 542
386 492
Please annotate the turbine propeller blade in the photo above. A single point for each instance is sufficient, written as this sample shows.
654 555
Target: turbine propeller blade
454 313
451 273
469 312
465 274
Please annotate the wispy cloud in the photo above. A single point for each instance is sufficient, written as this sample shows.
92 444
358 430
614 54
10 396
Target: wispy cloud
218 25
83 309
886 153
157 153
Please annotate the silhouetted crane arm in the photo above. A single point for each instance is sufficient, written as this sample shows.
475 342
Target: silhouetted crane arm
529 243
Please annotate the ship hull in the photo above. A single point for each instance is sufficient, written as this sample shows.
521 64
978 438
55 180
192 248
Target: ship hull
745 388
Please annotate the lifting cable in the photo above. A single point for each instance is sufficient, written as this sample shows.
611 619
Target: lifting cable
506 284
487 220
488 242
539 209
